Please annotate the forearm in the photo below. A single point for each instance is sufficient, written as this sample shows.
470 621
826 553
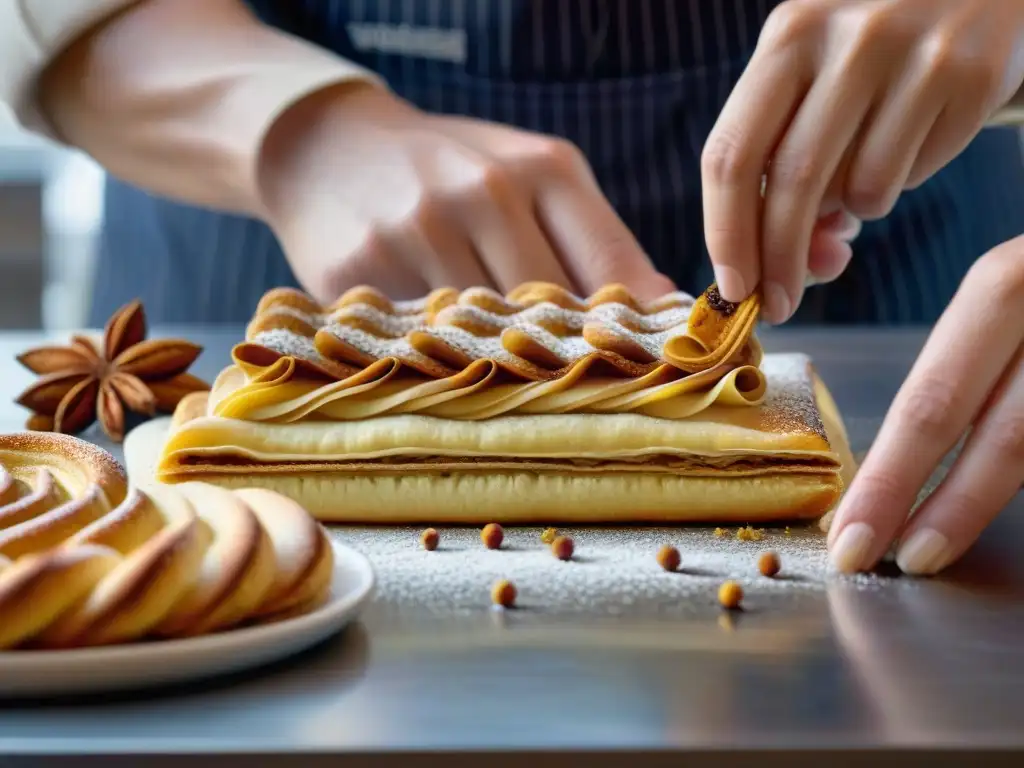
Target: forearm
177 96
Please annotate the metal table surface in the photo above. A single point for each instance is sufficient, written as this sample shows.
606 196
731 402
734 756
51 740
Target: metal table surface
919 664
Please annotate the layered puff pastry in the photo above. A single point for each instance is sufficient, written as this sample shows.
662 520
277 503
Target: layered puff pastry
86 560
535 407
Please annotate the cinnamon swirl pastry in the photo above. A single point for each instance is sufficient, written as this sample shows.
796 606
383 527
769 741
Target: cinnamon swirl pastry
538 406
85 560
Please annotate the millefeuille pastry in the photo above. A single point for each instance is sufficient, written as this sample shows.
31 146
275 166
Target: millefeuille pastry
85 560
533 407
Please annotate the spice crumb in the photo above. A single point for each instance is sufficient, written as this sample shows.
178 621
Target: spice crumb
730 595
668 558
787 531
549 535
562 548
717 303
750 534
504 593
720 532
429 539
492 535
768 564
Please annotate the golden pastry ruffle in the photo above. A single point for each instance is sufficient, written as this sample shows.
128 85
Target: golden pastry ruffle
477 355
279 393
85 560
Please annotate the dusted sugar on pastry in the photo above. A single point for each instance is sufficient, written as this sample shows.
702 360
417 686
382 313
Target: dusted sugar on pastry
539 406
85 560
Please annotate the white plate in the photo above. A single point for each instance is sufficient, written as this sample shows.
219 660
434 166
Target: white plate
141 665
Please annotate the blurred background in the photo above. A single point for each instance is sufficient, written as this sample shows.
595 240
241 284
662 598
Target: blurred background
51 208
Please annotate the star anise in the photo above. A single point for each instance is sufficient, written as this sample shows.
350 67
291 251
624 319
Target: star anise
92 380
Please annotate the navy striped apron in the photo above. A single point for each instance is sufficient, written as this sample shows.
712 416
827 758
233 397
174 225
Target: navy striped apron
636 84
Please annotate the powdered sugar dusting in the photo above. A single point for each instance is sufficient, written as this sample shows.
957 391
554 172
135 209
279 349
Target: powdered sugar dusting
789 403
614 570
387 324
551 316
380 348
288 343
475 325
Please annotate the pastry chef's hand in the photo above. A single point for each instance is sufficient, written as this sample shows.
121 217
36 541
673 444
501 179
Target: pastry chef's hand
368 189
968 380
845 104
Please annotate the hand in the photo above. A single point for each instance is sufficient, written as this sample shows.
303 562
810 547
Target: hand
968 380
845 104
367 189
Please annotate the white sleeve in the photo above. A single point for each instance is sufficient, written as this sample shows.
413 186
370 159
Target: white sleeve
32 34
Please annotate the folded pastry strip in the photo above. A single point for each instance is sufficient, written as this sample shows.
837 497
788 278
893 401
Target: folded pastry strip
477 355
774 461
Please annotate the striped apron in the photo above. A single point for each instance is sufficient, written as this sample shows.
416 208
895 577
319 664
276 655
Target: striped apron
636 84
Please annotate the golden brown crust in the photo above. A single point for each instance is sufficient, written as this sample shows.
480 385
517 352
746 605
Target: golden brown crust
534 498
84 560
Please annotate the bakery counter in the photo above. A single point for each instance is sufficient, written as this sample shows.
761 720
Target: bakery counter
881 663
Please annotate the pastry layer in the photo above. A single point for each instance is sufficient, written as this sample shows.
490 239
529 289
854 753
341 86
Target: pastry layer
783 459
787 424
531 497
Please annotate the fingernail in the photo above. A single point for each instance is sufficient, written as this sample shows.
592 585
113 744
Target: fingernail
852 547
850 229
730 283
925 553
777 305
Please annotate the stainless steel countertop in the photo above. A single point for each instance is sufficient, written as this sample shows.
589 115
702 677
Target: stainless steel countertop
920 663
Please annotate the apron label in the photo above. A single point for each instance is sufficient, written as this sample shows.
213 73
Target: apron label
405 40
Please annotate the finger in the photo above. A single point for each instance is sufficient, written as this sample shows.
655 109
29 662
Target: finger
375 263
828 257
890 148
800 171
985 477
595 246
443 256
958 368
512 246
841 223
954 129
734 160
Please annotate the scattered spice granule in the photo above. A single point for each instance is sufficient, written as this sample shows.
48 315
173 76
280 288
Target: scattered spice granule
492 535
787 531
668 558
719 532
562 548
504 593
768 564
730 595
429 539
750 534
549 535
